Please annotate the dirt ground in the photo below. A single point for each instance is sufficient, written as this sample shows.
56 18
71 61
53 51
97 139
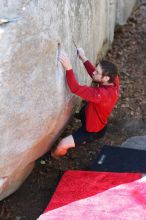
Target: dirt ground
128 119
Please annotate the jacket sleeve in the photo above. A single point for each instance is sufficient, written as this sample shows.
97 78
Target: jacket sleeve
89 67
85 92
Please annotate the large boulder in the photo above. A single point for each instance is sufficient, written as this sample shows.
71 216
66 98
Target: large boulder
35 100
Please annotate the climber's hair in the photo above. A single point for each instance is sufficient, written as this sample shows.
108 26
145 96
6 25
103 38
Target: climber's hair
109 69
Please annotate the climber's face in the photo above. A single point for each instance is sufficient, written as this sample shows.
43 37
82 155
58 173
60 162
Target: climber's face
98 76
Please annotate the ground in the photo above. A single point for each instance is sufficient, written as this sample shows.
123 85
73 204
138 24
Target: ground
128 119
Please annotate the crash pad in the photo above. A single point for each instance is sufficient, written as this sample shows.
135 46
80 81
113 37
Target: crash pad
123 202
76 185
118 159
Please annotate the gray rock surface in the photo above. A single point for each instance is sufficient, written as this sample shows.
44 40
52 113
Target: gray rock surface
35 100
137 142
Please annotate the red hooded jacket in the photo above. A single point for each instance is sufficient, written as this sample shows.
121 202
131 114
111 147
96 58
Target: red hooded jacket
100 100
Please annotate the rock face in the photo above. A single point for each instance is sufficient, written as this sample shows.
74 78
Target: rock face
137 142
35 100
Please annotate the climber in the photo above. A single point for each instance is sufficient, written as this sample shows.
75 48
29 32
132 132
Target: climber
100 101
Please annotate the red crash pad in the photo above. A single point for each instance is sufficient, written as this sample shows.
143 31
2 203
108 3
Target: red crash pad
75 185
123 202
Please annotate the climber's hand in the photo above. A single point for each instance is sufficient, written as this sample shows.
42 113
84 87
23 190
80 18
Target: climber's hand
81 54
63 58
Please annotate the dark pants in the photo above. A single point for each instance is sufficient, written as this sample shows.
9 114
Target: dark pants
81 136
